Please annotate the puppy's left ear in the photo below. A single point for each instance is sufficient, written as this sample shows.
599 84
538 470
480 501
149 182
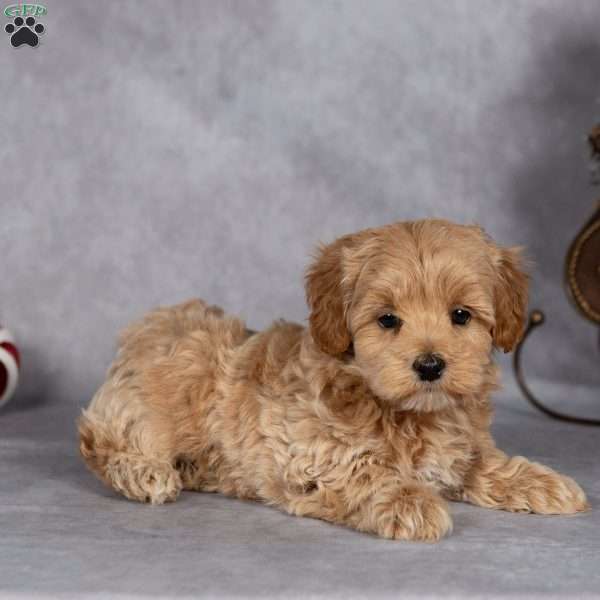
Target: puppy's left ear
510 298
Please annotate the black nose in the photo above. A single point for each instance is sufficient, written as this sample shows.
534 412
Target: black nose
429 367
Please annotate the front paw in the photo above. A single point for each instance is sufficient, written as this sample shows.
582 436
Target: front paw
416 513
545 492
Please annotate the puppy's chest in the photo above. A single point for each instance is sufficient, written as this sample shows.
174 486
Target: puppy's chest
441 455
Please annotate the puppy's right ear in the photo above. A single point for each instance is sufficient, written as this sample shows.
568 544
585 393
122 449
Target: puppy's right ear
328 296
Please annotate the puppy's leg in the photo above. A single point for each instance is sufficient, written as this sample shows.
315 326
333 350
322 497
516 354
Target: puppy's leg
196 473
517 485
128 447
404 512
128 434
375 500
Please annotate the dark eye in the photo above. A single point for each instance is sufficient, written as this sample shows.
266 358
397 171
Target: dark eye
460 316
389 321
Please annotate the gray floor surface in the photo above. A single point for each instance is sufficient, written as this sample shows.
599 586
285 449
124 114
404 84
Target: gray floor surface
62 534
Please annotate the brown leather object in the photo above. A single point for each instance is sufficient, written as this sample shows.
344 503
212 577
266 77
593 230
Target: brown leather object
594 140
582 270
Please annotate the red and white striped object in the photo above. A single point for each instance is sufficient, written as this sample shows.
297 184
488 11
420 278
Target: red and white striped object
9 365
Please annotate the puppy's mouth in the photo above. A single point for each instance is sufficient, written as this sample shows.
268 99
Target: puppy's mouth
428 398
431 386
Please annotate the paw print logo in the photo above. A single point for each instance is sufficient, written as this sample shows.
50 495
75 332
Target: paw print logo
24 31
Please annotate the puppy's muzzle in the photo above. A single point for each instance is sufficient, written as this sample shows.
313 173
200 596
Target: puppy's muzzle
429 367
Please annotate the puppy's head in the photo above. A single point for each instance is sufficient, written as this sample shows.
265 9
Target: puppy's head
422 304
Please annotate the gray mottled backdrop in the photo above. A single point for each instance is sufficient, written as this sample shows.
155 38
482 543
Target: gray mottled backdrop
154 151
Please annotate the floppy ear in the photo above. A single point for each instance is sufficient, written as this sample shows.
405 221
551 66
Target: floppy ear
511 294
328 295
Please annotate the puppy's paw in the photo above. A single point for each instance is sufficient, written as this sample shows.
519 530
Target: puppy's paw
416 514
518 485
161 484
144 480
549 493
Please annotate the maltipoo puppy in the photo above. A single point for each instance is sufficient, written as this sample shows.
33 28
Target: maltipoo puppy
371 417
